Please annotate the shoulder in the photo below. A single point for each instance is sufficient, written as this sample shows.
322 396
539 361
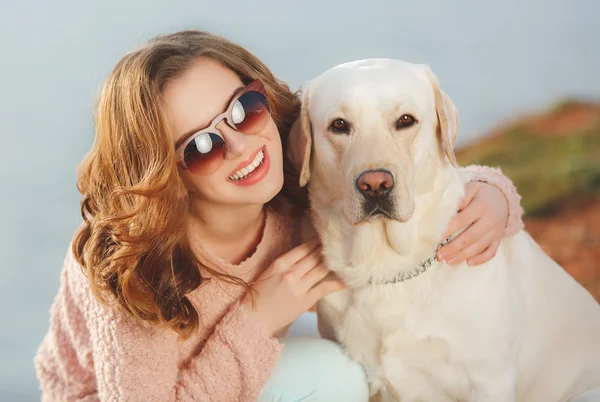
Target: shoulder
297 226
76 289
105 316
283 223
73 278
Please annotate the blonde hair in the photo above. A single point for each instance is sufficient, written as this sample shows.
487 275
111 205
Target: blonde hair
133 245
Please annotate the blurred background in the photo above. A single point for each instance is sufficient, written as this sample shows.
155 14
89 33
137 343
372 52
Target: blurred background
524 75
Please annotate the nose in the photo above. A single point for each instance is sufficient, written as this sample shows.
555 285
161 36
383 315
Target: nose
375 184
236 143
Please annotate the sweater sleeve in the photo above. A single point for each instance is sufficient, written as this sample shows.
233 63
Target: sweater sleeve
93 353
495 177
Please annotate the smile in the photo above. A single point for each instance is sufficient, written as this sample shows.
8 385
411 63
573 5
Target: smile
253 170
251 167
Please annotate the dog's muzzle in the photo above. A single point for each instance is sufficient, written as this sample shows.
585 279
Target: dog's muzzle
375 187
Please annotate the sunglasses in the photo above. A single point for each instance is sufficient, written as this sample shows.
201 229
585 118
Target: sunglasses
248 113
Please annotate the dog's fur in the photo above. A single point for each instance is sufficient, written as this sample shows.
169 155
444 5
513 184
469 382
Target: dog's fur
517 328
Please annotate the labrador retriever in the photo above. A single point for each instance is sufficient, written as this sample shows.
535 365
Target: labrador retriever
374 143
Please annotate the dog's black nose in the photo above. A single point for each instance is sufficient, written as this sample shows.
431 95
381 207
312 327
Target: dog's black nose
375 184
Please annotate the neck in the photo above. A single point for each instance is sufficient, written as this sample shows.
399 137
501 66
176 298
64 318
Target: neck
229 231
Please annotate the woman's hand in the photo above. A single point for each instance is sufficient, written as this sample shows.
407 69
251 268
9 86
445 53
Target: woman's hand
289 287
484 212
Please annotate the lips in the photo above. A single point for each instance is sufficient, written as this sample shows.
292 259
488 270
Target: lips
246 162
258 169
244 172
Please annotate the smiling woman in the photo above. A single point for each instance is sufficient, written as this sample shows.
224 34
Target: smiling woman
243 132
189 265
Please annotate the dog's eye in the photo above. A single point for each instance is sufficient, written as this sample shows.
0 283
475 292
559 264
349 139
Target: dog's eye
340 126
404 121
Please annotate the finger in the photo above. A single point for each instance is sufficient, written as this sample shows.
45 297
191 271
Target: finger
467 211
308 263
463 219
471 190
315 275
487 254
464 240
324 288
297 253
474 249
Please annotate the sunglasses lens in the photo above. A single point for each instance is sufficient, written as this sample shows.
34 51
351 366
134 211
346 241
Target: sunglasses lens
250 112
204 154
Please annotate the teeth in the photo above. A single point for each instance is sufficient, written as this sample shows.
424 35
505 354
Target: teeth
242 173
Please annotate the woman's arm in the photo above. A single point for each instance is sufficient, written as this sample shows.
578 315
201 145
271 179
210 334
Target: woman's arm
495 177
92 353
490 211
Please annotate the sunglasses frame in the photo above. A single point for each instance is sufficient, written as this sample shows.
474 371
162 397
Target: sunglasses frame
254 86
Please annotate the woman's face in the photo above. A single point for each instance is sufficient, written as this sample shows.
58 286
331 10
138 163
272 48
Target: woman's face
250 168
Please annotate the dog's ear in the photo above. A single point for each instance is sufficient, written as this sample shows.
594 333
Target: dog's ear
447 117
299 142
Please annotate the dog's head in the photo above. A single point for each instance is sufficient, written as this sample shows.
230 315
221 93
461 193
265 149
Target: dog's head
375 124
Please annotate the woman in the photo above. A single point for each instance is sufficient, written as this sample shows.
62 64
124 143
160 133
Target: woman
188 267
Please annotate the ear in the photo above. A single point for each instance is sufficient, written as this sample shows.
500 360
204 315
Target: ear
299 142
447 117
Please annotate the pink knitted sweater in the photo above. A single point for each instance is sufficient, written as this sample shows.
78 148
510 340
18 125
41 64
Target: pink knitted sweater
92 353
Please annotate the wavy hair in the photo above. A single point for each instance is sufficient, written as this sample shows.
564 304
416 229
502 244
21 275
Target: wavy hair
133 244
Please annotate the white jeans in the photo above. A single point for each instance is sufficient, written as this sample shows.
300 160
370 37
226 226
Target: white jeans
589 396
312 369
315 370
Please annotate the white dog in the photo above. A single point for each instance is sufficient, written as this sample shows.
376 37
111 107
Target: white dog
375 138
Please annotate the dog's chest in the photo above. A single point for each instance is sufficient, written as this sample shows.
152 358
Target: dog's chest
404 338
378 317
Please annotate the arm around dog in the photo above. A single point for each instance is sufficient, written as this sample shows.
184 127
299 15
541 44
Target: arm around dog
490 211
495 177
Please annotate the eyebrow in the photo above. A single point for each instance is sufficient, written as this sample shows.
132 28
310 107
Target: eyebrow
191 132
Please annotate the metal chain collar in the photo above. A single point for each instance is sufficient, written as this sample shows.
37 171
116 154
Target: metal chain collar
422 267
